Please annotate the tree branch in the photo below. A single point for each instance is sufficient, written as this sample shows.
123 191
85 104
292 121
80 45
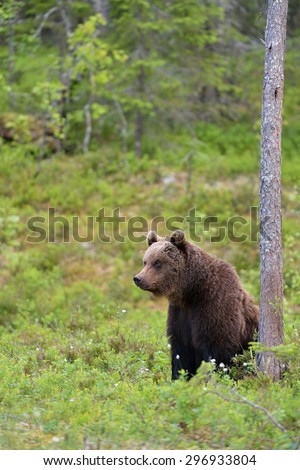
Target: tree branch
242 400
44 19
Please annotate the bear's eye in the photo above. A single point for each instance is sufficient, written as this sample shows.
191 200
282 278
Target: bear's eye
157 264
144 263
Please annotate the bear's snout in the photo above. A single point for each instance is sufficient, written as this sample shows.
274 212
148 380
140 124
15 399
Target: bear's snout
141 282
137 281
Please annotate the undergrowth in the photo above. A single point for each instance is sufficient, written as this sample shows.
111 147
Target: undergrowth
84 360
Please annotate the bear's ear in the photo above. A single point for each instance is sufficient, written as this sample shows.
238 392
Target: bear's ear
151 237
177 238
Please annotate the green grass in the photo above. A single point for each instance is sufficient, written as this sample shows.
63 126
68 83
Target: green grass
103 377
84 360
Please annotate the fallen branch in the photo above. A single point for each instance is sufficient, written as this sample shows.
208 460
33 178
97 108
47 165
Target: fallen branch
242 400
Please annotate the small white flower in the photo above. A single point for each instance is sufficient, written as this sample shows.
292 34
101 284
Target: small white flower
71 399
37 349
55 439
221 365
146 369
245 364
71 347
124 311
213 361
177 357
169 346
225 369
204 388
116 385
65 360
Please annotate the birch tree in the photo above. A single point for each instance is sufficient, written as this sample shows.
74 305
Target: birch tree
271 282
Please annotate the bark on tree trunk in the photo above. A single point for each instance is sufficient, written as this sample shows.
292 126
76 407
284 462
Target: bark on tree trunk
102 7
88 127
65 76
138 134
271 282
139 119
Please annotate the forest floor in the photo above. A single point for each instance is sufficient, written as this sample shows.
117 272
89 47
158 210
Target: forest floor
84 358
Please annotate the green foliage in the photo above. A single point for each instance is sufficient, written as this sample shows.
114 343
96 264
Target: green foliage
94 60
84 360
9 10
107 383
47 95
83 353
9 226
91 54
161 41
146 69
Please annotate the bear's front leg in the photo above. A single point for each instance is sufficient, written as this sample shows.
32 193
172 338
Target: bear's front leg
176 363
179 333
183 359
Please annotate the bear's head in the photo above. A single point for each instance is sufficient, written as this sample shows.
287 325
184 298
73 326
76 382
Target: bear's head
163 264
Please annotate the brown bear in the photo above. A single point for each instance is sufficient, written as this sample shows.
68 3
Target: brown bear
210 315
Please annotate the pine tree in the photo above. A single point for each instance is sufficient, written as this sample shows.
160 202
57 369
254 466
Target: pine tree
168 55
271 292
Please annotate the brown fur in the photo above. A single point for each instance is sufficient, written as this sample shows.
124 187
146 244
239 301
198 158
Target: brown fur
210 316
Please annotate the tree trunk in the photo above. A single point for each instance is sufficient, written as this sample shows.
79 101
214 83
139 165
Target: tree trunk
65 75
101 6
139 118
11 60
271 282
138 134
88 127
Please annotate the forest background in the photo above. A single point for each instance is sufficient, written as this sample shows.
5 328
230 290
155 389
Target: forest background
152 107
